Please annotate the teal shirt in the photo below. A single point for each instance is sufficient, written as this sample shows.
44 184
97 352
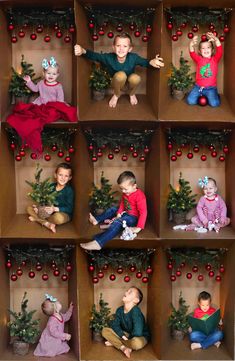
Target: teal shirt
65 199
132 322
113 65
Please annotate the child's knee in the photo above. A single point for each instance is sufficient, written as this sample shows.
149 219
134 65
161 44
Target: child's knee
214 102
134 79
219 335
105 332
191 100
59 218
137 343
120 76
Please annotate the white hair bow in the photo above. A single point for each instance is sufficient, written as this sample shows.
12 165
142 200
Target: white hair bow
51 62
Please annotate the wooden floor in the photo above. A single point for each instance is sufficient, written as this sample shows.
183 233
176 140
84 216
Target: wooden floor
9 356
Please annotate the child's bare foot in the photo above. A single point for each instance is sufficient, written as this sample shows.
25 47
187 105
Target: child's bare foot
32 219
133 100
35 208
92 246
127 351
113 101
217 344
92 219
107 343
195 346
50 226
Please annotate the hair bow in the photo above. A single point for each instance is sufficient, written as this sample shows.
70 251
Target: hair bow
49 297
202 182
51 62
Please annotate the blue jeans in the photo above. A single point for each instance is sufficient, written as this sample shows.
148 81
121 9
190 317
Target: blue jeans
204 340
115 227
210 92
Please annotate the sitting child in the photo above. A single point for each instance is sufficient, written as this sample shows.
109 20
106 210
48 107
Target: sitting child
62 213
50 90
121 66
128 330
53 338
198 338
211 208
132 209
206 69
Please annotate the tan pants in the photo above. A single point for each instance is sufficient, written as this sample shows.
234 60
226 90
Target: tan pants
119 80
135 343
56 218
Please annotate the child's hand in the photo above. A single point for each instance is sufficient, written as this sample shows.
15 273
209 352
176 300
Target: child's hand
221 322
157 62
78 50
214 38
194 40
71 305
27 78
190 329
135 229
124 338
50 209
67 336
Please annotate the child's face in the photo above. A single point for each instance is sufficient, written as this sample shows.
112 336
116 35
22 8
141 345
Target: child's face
127 187
51 74
210 189
206 49
204 305
122 47
130 296
58 306
63 176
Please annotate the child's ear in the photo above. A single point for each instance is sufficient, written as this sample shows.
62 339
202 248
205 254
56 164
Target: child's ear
130 49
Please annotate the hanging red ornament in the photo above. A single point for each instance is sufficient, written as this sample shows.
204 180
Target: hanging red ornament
195 269
124 158
14 277
56 272
64 277
117 149
182 265
169 26
91 24
196 148
132 26
142 158
54 148
105 266
59 34
179 32
33 36
225 149
178 153
119 270
178 273
222 268
138 274
11 27
68 267
95 280
222 38
190 35
211 147
112 277
101 31
31 274
208 267
195 28
110 35
145 279
99 153
14 39
226 29
135 154
21 33
183 25
23 263
221 158
211 274
67 159
211 27
173 278
67 39
91 267
45 277
203 157
202 101
146 149
94 158
127 279
169 146
53 265
189 276
38 266
39 29
145 38
214 154
18 158
71 149
56 27
12 146
47 39
131 148
137 33
19 272
203 37
47 157
110 156
148 29
119 28
174 37
33 156
173 158
218 278
90 147
170 265
149 270
132 268
8 264
60 154
101 274
72 29
200 277
190 155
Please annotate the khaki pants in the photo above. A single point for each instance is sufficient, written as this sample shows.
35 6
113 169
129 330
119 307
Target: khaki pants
119 80
56 218
135 343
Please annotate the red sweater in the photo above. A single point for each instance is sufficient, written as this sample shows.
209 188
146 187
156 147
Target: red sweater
207 68
198 313
135 205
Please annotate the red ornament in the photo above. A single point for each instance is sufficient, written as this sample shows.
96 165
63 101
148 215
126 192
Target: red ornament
202 100
60 154
182 265
215 33
21 33
68 267
190 155
203 157
71 149
214 154
218 278
14 277
59 34
149 270
38 266
183 25
56 27
211 274
19 272
12 146
47 39
22 152
222 268
145 279
110 35
11 27
225 149
173 158
53 265
67 39
33 36
54 148
135 154
142 158
178 153
221 158
101 31
14 39
72 29
189 276
208 267
169 26
18 158
119 270
127 279
179 32
64 277
99 153
145 38
195 269
133 268
211 147
91 268
146 149
91 24
117 149
110 156
95 37
119 28
8 264
169 146
23 263
101 274
222 38
190 35
39 29
195 28
94 158
148 29
132 26
170 265
137 33
138 274
174 37
203 37
200 277
173 278
67 159
105 267
56 272
124 158
131 148
31 274
47 157
211 27
95 280
178 273
226 29
112 277
33 156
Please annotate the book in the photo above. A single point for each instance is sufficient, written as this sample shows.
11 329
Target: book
207 325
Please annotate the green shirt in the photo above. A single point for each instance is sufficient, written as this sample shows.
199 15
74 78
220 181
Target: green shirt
132 322
113 65
65 199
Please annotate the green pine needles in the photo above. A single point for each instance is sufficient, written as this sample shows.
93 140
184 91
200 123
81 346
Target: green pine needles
43 192
100 78
23 326
178 319
101 316
180 78
181 200
102 196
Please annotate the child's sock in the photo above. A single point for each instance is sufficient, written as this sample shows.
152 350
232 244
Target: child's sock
195 346
217 344
92 219
92 246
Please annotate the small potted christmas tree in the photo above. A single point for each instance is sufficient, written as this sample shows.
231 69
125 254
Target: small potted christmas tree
180 201
180 79
100 318
43 193
178 320
99 81
23 328
101 197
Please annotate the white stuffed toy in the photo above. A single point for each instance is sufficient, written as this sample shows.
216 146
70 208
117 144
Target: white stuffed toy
127 233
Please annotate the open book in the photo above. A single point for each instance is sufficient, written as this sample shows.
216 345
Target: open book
207 325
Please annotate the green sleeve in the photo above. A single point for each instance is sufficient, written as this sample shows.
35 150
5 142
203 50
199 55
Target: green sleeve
116 323
141 61
138 323
66 202
92 55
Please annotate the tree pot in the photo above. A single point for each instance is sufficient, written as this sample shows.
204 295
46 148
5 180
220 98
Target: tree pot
97 337
42 213
99 211
98 94
20 348
178 335
23 99
179 218
178 94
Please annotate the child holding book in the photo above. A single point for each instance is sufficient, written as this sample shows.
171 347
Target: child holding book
129 330
199 339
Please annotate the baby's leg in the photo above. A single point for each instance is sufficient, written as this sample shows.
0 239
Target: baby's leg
118 82
133 82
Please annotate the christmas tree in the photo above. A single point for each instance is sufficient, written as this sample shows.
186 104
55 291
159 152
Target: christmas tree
178 319
101 196
180 78
23 326
100 317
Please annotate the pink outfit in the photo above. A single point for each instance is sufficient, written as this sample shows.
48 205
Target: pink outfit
198 313
52 341
48 93
135 205
207 68
214 210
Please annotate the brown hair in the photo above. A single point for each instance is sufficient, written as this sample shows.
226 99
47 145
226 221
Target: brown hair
139 294
48 307
206 41
212 180
127 175
123 36
64 166
204 296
